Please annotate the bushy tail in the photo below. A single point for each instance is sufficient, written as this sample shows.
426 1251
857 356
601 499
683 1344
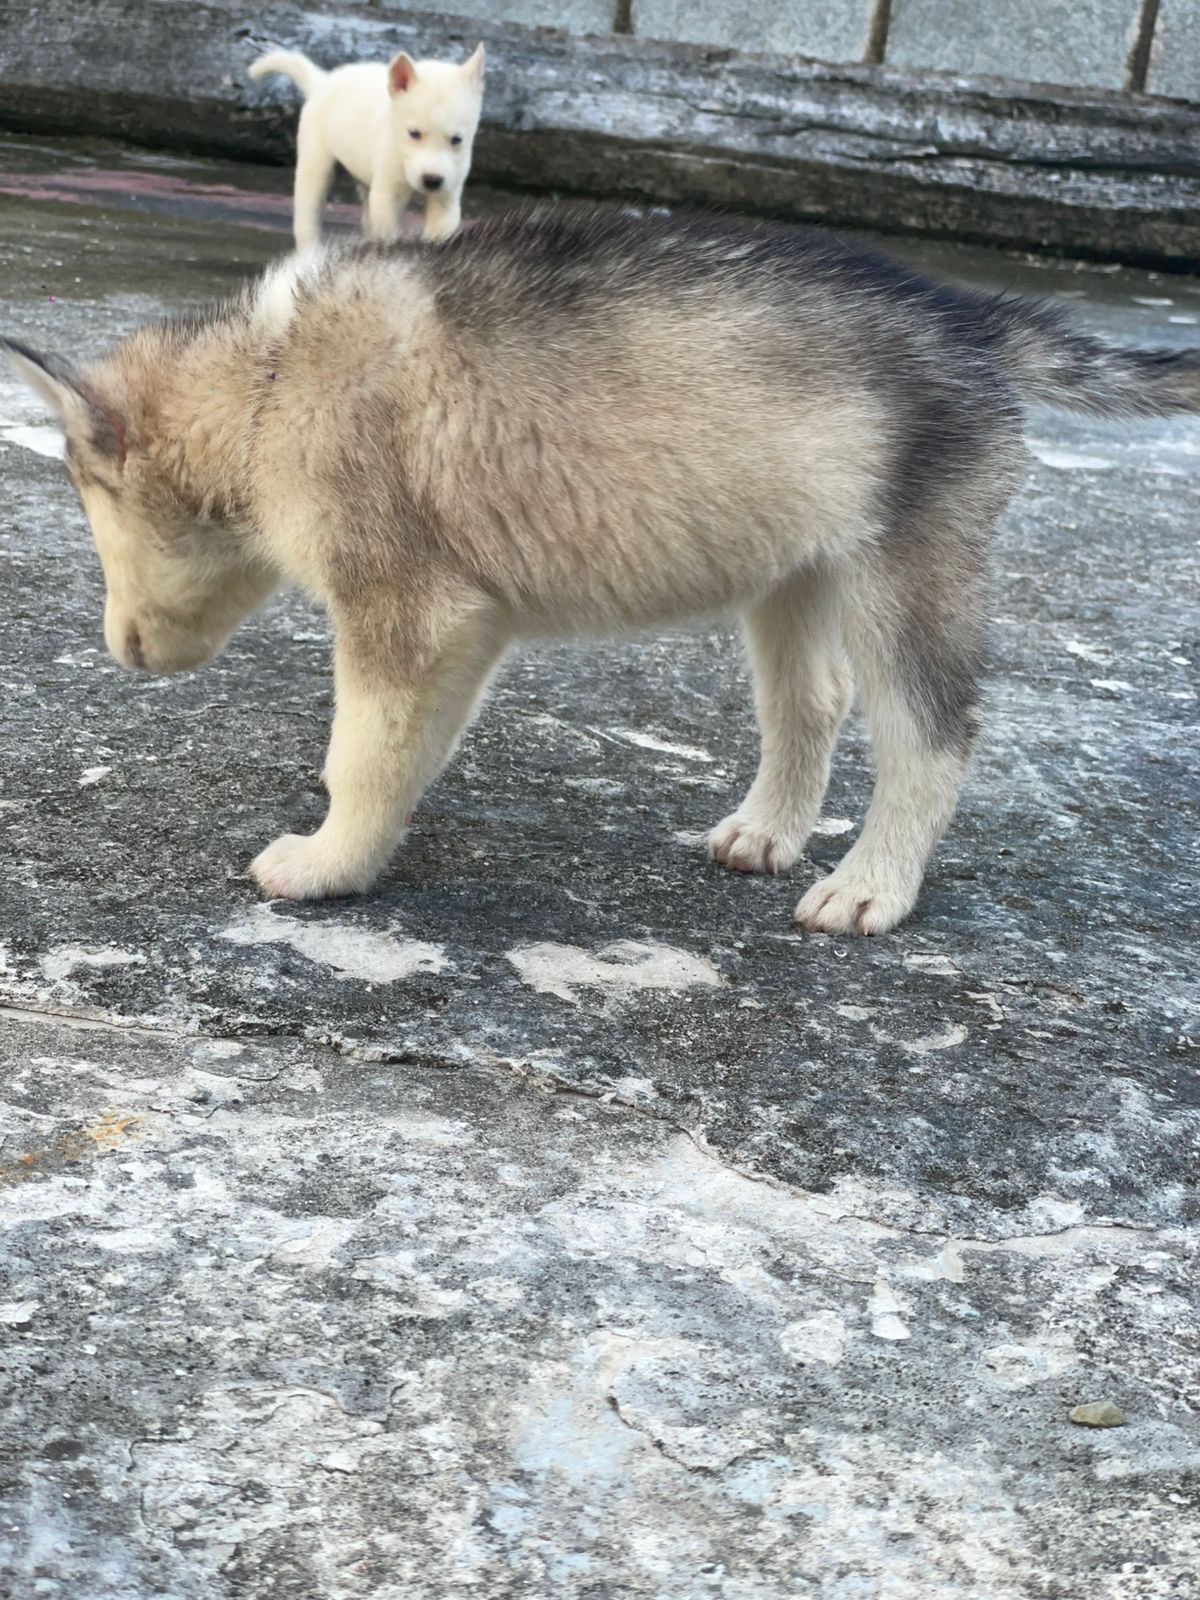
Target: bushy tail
303 73
1058 366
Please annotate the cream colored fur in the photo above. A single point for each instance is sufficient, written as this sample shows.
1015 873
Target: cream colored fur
404 129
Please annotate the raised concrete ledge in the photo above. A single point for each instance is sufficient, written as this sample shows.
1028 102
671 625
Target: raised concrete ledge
1075 172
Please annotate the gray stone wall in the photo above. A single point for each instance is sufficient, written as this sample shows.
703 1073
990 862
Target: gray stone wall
1174 67
1065 42
831 30
1142 46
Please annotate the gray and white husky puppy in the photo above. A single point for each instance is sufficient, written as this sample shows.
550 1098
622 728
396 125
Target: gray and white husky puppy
579 422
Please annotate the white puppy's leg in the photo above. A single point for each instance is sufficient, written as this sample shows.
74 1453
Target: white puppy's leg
385 198
443 213
314 174
801 692
393 731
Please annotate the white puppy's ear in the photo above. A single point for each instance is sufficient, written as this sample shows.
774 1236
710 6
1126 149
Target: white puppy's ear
402 73
57 383
472 69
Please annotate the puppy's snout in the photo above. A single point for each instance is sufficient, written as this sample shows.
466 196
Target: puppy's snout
432 181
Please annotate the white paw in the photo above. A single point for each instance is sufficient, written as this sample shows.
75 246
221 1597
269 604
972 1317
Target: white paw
857 900
743 845
301 867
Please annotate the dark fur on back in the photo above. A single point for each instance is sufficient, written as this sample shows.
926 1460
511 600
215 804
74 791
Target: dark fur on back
542 263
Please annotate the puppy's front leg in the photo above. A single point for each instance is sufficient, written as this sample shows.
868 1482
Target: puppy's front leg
385 197
399 715
443 213
314 174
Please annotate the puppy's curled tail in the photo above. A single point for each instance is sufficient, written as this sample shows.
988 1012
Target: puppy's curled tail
303 72
1056 365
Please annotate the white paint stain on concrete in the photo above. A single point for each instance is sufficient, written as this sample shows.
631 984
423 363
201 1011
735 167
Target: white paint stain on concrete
691 839
884 1309
556 727
350 952
1112 685
41 439
1085 652
949 1262
619 970
65 959
853 1013
647 741
631 1089
1069 460
18 1313
822 1337
315 1243
1012 1366
832 827
950 1038
940 966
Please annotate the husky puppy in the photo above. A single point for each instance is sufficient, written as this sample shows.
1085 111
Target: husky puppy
401 130
577 422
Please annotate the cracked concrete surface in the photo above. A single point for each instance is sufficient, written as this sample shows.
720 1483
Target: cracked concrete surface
558 1222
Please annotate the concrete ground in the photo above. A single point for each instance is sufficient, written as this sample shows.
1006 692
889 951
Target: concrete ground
558 1221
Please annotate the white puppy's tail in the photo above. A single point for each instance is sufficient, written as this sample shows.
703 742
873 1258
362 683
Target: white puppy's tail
303 73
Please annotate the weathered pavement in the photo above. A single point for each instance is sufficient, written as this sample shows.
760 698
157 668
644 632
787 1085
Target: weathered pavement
558 1221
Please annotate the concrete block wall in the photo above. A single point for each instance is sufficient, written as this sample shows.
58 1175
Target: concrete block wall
1064 41
831 30
1174 64
1141 46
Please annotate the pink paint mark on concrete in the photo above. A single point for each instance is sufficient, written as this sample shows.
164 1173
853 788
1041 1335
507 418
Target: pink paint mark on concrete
166 192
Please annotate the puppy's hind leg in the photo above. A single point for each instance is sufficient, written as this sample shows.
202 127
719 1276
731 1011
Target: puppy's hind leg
314 174
801 689
913 623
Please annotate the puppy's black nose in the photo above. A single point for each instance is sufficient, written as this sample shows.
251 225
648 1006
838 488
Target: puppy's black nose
432 182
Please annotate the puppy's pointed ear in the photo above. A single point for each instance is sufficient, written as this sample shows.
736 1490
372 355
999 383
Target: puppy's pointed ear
402 73
85 421
472 69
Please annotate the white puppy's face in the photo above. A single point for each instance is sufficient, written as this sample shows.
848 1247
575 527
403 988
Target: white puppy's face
435 112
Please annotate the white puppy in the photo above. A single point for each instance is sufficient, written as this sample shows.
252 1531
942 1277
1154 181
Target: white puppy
403 129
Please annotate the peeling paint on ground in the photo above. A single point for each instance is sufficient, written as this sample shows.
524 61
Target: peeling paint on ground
620 969
350 952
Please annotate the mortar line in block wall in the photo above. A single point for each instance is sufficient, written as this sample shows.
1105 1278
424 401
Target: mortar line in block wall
1138 64
877 32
